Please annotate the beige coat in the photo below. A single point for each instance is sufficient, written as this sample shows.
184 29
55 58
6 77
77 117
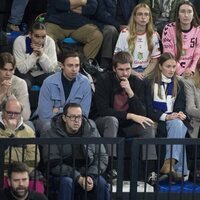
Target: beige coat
193 106
22 131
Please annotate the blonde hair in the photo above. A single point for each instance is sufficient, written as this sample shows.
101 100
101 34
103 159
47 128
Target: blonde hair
133 32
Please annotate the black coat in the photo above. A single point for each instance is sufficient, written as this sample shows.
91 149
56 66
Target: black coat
107 86
154 114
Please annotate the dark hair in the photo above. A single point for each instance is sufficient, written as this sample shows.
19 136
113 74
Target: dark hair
5 58
17 167
37 26
67 54
121 57
195 22
70 105
156 77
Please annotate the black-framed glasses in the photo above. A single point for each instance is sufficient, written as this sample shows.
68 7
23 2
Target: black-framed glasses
74 117
13 114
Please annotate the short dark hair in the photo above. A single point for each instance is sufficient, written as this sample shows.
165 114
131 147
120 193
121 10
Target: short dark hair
5 58
121 57
70 105
67 54
17 167
37 26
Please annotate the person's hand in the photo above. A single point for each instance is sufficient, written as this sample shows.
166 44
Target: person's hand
10 123
142 120
5 87
77 10
172 116
140 75
38 50
187 73
86 183
181 115
124 83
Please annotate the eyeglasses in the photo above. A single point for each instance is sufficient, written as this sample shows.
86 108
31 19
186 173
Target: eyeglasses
74 117
13 114
146 14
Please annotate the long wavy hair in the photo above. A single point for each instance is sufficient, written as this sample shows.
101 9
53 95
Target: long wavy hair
133 32
156 76
195 22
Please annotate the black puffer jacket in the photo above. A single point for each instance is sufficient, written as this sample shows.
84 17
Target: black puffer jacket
60 157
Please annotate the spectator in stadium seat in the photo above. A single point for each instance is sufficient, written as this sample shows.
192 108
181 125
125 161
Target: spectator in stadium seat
71 18
16 16
18 181
192 88
107 19
12 126
163 12
166 104
182 39
141 41
120 97
63 87
13 85
68 163
35 55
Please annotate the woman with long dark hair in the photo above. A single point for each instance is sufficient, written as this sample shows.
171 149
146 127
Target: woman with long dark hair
182 39
165 100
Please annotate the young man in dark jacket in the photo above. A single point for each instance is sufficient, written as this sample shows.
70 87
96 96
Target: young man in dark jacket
69 162
120 95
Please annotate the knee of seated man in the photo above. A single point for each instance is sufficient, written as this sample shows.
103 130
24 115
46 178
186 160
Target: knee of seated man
176 123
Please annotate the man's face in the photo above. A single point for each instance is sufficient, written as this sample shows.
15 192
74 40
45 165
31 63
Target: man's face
12 112
19 183
71 67
6 72
73 120
122 70
38 37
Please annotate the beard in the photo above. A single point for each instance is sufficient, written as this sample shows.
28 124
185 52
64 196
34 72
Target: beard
19 192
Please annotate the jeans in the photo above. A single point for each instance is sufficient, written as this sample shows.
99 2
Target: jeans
17 11
177 129
69 190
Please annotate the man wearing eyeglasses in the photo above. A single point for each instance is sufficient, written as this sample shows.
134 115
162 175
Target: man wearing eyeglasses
12 126
69 162
61 88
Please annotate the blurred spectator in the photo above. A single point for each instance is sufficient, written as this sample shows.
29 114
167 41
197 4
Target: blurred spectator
192 88
18 181
71 18
163 12
12 85
68 163
63 87
17 13
35 55
141 41
182 39
107 19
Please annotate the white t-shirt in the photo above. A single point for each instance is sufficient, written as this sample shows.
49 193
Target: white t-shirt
141 53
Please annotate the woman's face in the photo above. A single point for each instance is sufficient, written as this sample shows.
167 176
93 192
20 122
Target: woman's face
185 14
142 16
168 68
